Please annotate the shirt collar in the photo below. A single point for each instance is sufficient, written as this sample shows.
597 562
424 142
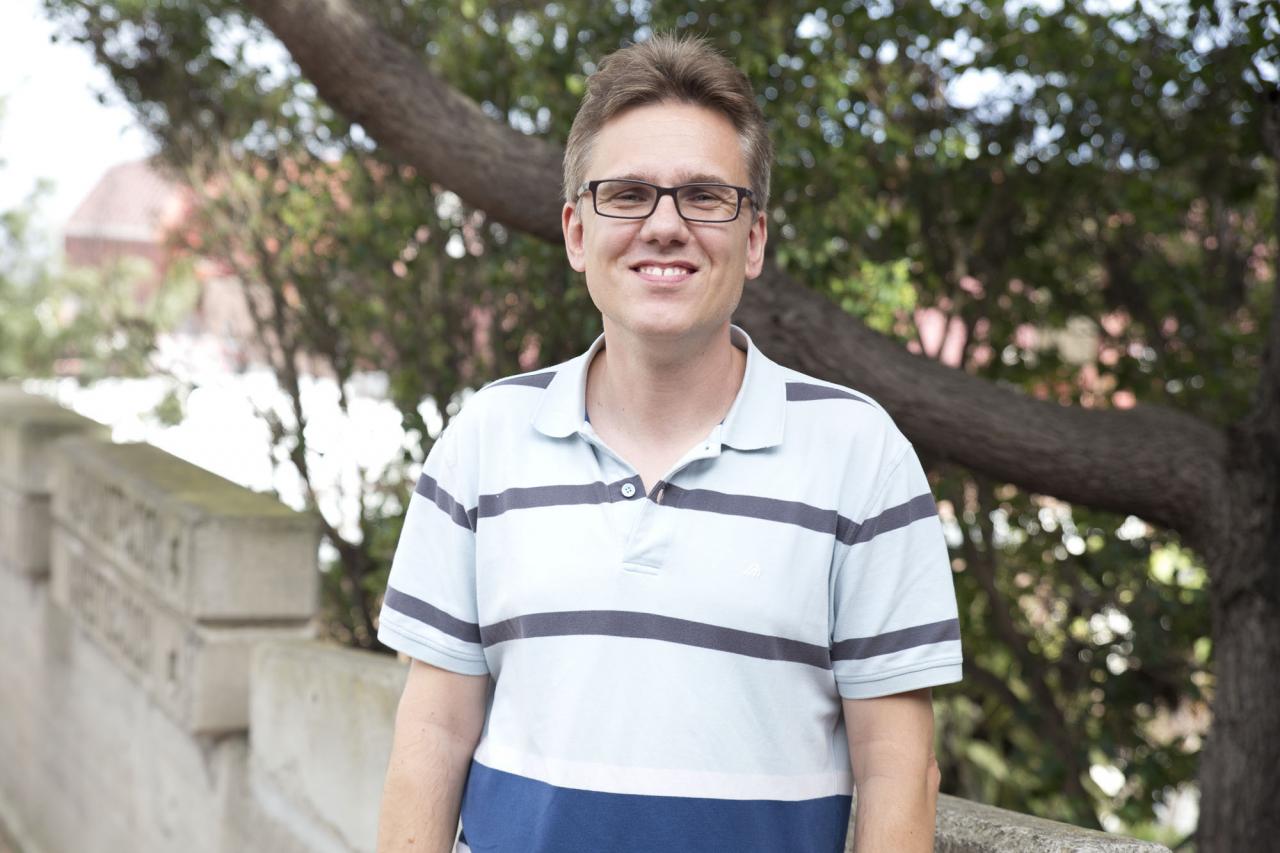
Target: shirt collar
754 421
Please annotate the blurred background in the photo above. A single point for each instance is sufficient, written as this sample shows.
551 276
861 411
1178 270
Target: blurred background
1075 200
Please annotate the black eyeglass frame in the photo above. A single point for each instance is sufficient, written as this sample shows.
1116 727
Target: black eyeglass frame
743 192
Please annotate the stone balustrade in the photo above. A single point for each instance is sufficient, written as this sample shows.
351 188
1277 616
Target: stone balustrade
178 573
29 428
160 689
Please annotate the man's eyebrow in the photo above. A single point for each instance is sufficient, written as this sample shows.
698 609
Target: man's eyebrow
682 178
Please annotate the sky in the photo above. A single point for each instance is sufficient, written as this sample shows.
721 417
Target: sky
51 124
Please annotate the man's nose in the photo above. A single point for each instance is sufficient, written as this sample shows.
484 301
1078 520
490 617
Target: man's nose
665 223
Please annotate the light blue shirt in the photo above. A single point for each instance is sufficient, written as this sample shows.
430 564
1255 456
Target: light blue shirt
668 667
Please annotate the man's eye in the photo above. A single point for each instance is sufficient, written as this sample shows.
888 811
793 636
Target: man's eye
632 195
706 197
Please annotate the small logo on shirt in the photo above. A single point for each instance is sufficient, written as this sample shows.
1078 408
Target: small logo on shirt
752 570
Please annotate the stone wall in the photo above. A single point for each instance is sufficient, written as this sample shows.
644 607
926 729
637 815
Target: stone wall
160 687
134 588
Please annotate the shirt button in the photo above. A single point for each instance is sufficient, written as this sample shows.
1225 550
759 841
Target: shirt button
628 490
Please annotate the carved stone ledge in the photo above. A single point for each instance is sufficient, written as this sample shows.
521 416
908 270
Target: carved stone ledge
24 532
198 673
30 427
968 827
964 826
204 546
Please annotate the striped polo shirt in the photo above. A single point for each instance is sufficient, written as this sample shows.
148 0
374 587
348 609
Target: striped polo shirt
667 668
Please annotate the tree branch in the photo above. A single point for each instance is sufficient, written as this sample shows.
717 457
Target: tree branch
1153 462
378 82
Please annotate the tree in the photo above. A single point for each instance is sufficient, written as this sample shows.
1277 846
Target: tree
1125 171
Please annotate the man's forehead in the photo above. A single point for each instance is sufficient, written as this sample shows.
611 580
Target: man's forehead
669 143
680 176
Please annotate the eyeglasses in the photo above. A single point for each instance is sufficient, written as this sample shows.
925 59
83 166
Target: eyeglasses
694 202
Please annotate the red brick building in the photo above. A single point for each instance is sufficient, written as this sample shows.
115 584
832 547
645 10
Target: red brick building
128 213
132 212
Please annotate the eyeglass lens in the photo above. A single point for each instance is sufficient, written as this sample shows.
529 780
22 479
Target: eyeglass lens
699 202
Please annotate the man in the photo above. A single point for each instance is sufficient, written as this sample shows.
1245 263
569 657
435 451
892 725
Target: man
668 595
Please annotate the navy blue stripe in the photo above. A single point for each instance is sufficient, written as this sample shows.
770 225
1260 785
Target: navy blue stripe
432 491
428 614
651 626
799 391
534 380
506 813
921 506
861 648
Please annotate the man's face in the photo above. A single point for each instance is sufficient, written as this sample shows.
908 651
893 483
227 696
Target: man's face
666 144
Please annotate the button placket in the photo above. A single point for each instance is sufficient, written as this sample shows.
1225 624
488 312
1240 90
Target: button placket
646 542
651 537
619 512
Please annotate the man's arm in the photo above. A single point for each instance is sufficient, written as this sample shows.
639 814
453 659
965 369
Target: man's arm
895 771
438 725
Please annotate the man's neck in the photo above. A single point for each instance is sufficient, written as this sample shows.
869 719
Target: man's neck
656 393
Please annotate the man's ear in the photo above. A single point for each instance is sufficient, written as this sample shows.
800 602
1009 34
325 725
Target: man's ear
571 225
757 237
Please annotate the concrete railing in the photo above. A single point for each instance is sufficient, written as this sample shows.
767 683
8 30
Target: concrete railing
159 686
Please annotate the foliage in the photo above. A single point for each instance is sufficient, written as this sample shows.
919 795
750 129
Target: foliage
80 322
1080 650
1038 174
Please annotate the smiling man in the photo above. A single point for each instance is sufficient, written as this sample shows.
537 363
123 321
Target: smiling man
668 595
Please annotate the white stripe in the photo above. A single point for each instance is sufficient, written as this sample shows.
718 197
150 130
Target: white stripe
461 848
661 782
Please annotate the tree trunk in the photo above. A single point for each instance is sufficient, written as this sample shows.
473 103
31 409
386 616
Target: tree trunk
1240 764
1240 761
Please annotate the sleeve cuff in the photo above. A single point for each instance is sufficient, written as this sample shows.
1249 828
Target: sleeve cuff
872 686
428 651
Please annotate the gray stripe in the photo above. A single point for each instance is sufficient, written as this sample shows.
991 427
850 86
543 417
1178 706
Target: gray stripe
861 648
705 500
430 489
416 608
846 529
798 391
921 506
752 506
534 380
564 495
650 626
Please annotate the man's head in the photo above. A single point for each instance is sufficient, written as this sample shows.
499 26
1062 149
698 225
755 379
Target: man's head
670 113
669 68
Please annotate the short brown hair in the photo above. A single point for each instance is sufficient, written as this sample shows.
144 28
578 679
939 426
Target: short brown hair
669 68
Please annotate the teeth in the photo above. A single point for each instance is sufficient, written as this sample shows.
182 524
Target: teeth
663 271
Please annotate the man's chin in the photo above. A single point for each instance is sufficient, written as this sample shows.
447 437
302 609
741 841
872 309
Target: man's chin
669 330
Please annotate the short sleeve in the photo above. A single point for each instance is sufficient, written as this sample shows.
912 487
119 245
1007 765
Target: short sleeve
429 611
894 618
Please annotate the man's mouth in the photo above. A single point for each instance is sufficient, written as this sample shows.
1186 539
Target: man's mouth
665 271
